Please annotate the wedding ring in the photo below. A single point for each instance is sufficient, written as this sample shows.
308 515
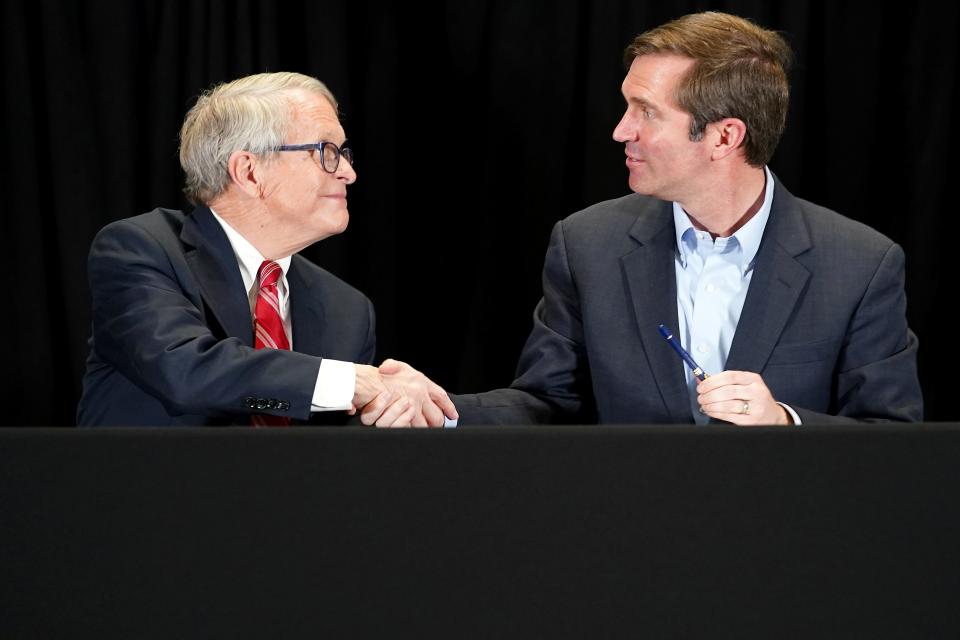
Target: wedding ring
746 408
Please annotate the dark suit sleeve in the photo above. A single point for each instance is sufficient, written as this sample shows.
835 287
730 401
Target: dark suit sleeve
150 324
553 379
876 378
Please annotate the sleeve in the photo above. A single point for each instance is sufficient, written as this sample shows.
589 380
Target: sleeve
336 383
553 380
148 325
876 378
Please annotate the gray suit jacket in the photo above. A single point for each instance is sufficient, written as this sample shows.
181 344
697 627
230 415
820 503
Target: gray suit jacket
172 340
823 322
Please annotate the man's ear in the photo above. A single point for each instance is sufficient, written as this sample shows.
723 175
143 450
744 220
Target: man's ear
246 172
726 136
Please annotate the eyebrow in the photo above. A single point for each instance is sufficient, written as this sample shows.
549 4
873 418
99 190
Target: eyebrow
643 102
328 135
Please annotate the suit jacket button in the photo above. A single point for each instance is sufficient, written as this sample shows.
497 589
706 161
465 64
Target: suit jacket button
283 405
250 403
272 404
261 404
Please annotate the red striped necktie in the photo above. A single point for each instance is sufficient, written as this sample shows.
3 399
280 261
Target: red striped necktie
268 330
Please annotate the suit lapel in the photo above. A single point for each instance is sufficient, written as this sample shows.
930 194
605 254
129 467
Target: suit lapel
777 283
651 280
307 319
214 265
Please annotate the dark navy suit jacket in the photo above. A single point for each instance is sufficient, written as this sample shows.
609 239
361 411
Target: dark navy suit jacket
172 340
823 322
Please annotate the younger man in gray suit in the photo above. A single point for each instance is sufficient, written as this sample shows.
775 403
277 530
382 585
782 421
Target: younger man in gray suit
796 312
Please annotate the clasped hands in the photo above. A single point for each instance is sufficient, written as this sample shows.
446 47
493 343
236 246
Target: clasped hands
397 395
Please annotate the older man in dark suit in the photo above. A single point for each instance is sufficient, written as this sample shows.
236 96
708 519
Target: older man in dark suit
212 317
796 313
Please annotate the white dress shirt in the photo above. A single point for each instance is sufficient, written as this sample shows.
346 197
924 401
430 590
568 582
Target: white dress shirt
336 379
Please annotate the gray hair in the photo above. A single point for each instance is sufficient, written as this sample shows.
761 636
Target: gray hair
249 114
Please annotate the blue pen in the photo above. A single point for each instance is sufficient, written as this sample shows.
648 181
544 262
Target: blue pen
697 371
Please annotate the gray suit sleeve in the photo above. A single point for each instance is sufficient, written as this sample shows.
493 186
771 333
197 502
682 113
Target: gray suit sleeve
876 378
553 379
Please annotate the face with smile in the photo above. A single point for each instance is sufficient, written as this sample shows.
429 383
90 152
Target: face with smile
662 160
303 203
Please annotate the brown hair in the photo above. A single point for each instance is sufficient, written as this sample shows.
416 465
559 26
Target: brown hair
739 71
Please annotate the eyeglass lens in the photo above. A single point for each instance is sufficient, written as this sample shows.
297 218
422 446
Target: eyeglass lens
331 156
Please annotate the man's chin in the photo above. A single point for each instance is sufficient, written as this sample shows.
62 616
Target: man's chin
642 187
344 221
332 226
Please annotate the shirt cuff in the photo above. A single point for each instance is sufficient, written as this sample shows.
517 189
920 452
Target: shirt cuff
336 382
793 414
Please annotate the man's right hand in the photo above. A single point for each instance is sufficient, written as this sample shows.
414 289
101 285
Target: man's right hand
386 396
380 406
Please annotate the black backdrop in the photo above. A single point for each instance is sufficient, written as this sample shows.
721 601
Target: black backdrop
476 125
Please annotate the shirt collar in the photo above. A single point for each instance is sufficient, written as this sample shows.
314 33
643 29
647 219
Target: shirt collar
748 236
247 255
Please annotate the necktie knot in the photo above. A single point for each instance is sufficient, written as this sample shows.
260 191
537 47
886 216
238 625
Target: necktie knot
269 274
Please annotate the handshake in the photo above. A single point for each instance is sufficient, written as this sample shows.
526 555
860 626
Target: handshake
397 395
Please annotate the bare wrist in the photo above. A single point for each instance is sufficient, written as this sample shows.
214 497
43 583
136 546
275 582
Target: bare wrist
784 416
368 384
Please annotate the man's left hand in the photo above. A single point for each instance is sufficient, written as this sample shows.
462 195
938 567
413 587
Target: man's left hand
740 397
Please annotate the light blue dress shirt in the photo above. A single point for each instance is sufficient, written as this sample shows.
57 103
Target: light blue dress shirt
713 277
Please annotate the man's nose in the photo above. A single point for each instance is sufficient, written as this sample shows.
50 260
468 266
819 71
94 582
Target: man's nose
625 129
346 172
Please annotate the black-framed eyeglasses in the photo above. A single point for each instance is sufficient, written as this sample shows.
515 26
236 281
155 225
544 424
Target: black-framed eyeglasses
329 153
